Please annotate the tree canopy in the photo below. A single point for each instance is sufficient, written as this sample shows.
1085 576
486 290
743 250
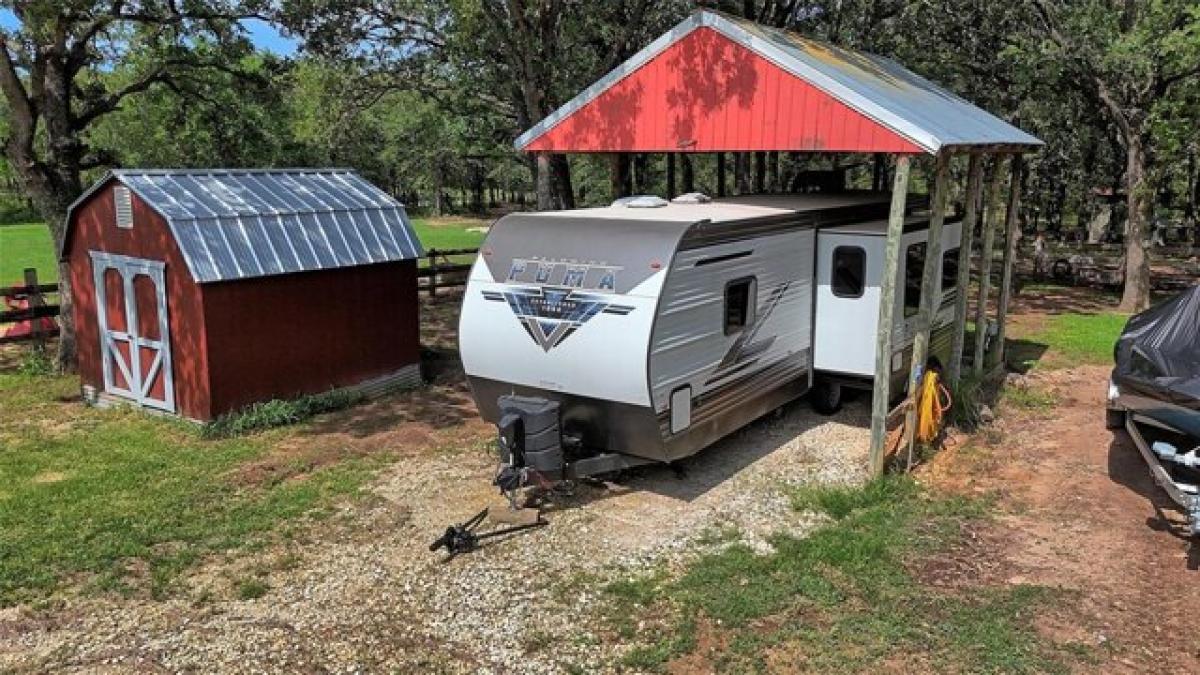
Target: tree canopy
425 97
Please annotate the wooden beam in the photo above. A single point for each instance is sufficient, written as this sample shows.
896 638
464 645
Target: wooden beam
930 280
963 285
1012 227
990 221
887 306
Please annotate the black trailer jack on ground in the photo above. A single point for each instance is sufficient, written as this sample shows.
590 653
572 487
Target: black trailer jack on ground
534 452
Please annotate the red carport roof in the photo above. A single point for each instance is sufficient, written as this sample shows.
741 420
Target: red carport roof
718 83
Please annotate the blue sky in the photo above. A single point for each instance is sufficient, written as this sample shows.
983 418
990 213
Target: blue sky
263 34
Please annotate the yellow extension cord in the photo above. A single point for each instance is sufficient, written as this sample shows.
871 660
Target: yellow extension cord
930 407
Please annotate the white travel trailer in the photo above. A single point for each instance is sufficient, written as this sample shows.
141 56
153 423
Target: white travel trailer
644 331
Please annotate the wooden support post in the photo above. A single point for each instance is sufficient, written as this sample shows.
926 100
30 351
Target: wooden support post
35 301
930 280
963 285
432 257
1012 228
888 288
990 221
721 192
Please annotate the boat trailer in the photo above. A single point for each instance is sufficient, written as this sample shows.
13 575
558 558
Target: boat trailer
1186 495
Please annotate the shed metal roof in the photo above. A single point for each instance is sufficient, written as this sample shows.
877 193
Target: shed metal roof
241 224
882 90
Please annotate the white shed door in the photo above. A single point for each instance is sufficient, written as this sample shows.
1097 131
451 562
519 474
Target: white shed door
135 344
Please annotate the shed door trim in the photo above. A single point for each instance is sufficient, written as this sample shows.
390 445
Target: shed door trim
139 384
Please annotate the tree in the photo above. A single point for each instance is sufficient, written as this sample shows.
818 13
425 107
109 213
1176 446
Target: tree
1129 56
224 120
55 78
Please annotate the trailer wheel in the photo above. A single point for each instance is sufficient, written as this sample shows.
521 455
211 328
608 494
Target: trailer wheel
826 397
1114 419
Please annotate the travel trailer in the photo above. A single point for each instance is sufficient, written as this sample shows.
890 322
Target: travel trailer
602 338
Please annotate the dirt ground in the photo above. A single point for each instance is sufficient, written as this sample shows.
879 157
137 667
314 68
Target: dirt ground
1076 509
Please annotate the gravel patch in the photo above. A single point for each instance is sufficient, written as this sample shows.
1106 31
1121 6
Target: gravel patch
365 594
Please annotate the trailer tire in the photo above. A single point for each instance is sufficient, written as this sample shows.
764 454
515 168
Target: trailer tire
826 397
1114 419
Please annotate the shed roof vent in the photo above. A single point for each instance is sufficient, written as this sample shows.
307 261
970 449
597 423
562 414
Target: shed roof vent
124 207
641 202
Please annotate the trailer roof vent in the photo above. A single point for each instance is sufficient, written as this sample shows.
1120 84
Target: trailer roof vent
641 202
692 198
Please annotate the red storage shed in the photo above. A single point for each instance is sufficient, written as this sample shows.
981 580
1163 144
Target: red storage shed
198 292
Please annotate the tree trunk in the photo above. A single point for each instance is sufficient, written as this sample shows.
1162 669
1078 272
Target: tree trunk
671 176
51 194
67 353
721 191
1192 200
620 183
641 174
688 173
773 172
545 187
760 172
1136 296
560 169
741 172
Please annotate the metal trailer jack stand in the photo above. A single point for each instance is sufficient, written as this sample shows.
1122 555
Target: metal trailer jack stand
464 539
1187 496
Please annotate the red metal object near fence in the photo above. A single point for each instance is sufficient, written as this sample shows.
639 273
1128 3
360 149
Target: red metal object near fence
32 318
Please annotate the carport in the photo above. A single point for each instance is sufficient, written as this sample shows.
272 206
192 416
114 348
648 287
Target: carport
716 83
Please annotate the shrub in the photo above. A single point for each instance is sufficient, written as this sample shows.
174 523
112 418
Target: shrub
278 413
37 362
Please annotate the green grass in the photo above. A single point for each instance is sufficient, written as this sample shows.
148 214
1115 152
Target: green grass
1081 338
120 500
1029 398
25 245
448 233
846 598
251 589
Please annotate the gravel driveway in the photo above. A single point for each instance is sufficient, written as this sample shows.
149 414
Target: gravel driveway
363 593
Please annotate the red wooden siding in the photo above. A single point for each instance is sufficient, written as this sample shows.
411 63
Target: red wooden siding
238 342
282 336
706 93
150 238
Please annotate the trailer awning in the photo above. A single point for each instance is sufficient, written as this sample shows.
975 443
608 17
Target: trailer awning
716 83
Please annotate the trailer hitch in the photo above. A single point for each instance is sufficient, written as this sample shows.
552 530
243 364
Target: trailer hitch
463 538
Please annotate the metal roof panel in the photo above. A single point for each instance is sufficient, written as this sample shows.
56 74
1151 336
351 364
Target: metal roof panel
239 224
877 87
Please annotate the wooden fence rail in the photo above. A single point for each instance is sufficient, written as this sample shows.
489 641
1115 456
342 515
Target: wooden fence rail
442 272
27 307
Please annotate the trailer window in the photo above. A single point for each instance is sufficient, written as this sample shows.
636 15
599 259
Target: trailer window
740 299
849 271
914 269
950 270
